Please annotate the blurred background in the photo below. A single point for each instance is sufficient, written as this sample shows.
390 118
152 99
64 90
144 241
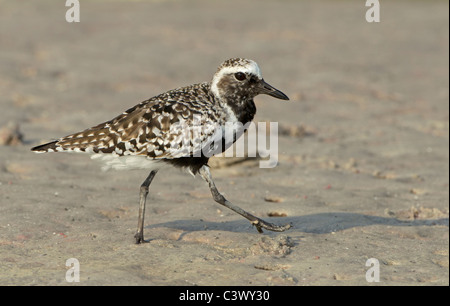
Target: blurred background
366 130
323 53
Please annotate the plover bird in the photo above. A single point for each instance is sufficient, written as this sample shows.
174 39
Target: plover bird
182 127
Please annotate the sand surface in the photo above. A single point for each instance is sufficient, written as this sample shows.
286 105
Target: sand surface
363 149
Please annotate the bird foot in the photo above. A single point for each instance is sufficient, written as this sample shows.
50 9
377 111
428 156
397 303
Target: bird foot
260 224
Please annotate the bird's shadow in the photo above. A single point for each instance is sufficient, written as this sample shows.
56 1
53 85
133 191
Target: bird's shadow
321 223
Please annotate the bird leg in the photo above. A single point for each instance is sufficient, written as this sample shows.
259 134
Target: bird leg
142 199
219 198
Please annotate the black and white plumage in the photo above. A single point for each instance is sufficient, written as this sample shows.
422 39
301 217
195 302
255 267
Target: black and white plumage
183 127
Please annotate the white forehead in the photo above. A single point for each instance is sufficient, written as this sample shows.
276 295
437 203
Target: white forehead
249 67
231 67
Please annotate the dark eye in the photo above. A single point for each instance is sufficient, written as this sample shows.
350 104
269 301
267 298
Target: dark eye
240 76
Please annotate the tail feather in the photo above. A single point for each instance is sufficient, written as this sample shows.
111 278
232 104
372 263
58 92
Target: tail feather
48 147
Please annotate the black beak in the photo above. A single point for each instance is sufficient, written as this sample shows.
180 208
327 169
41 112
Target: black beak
267 89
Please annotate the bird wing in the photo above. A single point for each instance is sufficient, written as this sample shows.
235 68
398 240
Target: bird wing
172 125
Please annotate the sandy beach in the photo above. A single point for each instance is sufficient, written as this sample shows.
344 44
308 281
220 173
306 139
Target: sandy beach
363 146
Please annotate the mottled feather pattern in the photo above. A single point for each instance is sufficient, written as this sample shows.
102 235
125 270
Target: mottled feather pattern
184 126
150 128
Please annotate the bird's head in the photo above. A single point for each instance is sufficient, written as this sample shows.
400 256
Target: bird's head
240 79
